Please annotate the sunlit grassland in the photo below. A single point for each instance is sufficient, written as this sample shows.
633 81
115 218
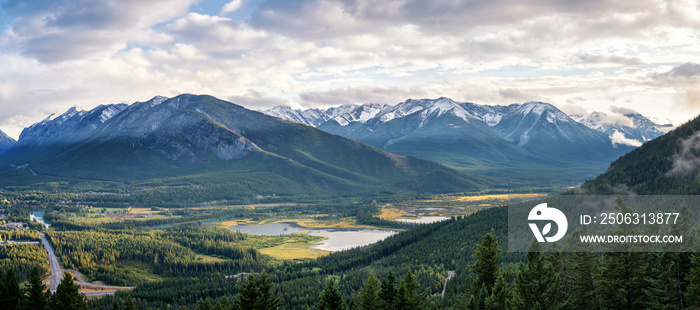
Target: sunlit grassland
488 198
293 251
134 210
262 242
293 246
100 218
391 213
319 221
313 221
209 258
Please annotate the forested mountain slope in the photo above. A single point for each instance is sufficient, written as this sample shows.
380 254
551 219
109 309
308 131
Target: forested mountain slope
667 165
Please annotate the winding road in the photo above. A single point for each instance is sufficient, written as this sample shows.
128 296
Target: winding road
450 274
57 275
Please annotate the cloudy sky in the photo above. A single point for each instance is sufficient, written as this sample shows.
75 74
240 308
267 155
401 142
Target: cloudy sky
579 55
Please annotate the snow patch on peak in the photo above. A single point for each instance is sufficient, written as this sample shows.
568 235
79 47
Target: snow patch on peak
158 100
110 111
596 120
427 106
492 119
341 120
538 108
49 118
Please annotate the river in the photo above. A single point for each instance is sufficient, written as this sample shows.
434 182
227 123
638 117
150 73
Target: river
39 217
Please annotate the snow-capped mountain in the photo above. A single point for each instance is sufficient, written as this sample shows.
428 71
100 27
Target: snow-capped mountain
628 128
73 125
347 114
5 142
473 136
520 124
343 114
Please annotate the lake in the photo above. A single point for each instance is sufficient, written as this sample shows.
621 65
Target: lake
424 219
338 238
39 217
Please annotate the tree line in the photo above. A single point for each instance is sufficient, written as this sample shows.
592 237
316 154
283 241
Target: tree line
36 296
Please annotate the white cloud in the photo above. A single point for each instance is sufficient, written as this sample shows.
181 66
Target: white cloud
70 30
687 160
619 138
232 6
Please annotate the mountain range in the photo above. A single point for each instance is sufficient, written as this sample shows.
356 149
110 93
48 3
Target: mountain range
5 142
310 151
202 140
534 143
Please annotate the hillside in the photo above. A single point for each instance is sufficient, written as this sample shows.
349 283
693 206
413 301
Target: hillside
202 140
666 165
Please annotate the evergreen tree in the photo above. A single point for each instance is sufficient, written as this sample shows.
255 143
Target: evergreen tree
692 295
537 284
248 294
223 304
583 274
387 293
12 295
407 294
115 304
584 270
466 299
257 294
3 292
267 299
204 304
623 277
478 301
67 296
500 296
369 294
36 298
671 285
129 304
623 284
331 298
487 260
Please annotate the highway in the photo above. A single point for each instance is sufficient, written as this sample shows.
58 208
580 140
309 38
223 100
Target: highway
57 275
56 271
